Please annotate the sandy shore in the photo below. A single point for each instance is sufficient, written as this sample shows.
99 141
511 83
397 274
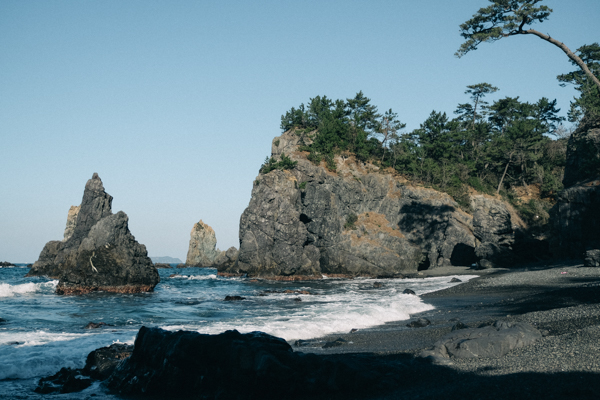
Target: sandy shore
561 300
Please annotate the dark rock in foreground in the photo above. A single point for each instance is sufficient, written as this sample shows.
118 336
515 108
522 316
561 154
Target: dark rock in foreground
100 254
240 366
99 364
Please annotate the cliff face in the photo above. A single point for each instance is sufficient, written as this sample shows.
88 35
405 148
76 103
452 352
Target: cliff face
100 253
308 221
576 215
202 251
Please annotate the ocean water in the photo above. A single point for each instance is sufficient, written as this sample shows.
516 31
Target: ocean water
44 332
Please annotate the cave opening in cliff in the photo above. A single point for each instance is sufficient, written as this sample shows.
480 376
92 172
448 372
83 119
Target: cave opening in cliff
463 255
424 264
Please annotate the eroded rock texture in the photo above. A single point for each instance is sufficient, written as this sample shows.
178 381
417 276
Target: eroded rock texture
576 215
202 251
100 254
307 221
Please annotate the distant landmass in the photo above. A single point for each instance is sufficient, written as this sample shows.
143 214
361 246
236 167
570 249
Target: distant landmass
166 260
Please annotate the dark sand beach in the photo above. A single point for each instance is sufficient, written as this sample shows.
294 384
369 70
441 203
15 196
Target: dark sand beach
562 300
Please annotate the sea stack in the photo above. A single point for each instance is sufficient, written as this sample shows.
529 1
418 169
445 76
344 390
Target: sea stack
100 253
203 250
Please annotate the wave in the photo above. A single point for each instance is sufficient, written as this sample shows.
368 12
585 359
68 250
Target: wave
7 290
41 353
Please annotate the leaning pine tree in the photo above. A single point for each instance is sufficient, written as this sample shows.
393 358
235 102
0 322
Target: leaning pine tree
504 18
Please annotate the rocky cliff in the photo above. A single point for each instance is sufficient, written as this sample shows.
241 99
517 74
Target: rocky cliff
203 251
308 221
100 253
576 215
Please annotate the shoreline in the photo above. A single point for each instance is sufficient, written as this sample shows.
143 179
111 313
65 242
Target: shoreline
562 300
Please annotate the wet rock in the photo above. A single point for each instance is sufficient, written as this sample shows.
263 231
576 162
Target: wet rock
377 285
455 280
492 341
101 254
353 330
335 343
409 291
101 363
234 298
96 325
420 323
162 265
297 299
66 380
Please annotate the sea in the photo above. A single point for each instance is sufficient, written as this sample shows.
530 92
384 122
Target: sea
41 332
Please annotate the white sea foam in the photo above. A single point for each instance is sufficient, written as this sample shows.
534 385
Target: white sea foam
42 353
195 277
7 290
354 308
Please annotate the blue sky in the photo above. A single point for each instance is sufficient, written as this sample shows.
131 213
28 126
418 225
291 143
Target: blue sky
175 103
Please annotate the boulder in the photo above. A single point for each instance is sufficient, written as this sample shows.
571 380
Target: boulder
203 251
492 341
232 365
100 254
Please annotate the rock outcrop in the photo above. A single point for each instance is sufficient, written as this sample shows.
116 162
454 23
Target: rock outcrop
100 254
203 250
576 220
232 365
493 227
307 221
71 222
576 215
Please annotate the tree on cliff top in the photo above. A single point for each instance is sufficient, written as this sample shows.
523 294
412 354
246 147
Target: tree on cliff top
504 18
586 108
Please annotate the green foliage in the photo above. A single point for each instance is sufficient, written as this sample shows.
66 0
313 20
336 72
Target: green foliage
490 147
585 109
302 185
501 19
350 221
270 164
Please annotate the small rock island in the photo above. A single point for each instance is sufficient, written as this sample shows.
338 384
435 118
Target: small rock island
98 252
